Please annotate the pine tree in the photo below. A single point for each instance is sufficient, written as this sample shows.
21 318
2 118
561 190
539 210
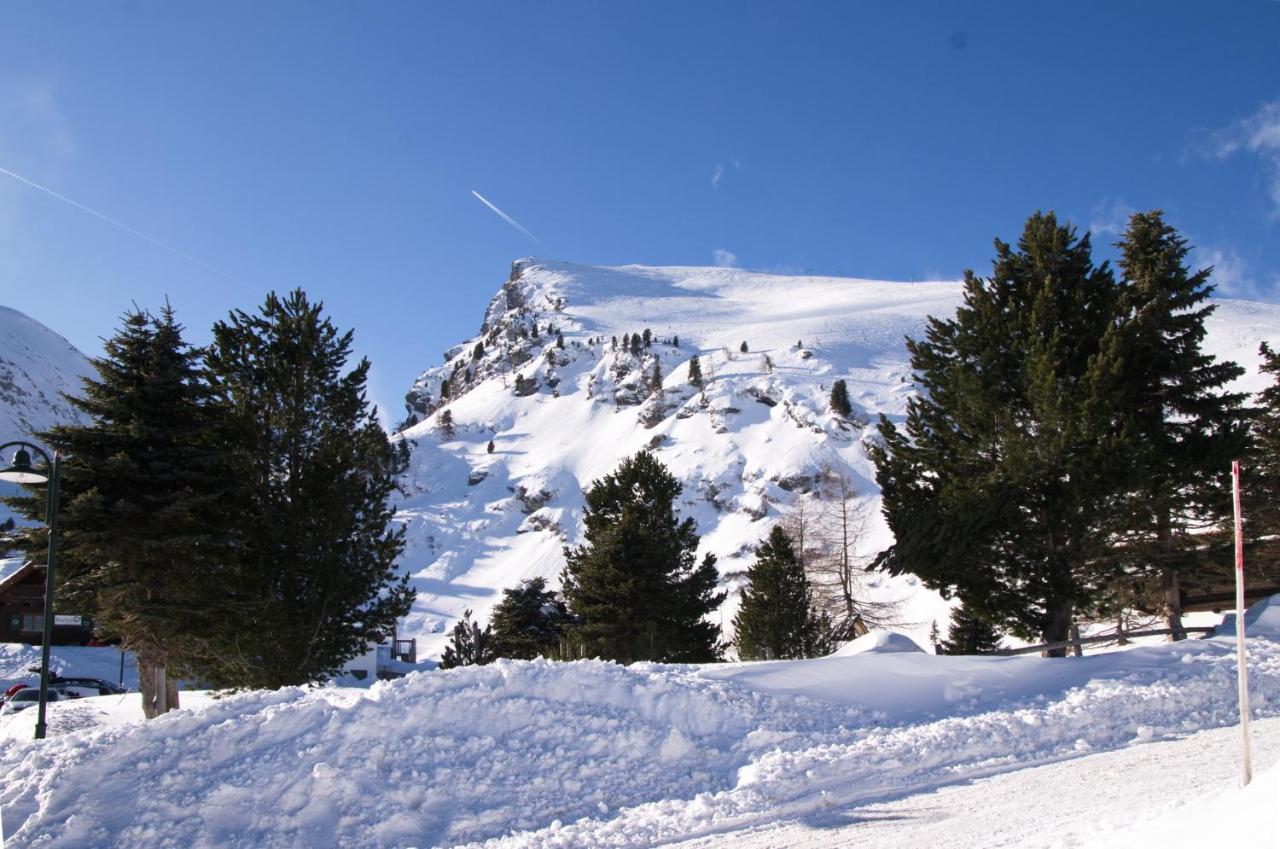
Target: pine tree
148 513
635 344
613 343
647 336
478 351
1260 499
675 341
489 448
445 424
743 347
776 618
529 621
1013 454
317 556
635 587
655 379
560 341
840 399
695 372
470 645
970 634
1185 427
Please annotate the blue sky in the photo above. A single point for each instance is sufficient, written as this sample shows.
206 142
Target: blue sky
335 147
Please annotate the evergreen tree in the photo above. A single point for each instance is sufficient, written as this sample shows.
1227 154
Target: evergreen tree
1013 454
743 347
1185 427
695 372
1260 499
470 645
776 618
560 341
840 399
317 556
445 423
478 351
675 341
529 621
613 343
970 634
655 379
489 447
444 389
647 336
148 511
635 344
635 587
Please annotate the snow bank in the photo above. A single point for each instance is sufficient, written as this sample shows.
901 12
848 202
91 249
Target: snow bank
878 642
524 754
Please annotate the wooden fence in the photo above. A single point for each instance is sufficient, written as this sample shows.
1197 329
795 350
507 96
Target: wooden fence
1077 643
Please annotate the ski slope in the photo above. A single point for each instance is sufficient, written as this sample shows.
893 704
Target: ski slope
757 442
592 754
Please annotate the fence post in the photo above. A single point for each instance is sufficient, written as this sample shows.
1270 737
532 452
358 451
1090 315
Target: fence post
1076 647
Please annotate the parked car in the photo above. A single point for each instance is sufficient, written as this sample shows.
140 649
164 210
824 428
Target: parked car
76 687
28 697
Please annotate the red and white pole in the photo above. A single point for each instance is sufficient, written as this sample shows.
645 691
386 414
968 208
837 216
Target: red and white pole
1242 671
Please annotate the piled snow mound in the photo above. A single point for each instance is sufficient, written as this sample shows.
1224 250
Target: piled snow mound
593 754
1261 620
878 642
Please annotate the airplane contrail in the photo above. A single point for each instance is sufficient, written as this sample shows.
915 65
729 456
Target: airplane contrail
125 227
507 218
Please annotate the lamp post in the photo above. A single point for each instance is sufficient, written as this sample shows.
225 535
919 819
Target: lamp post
21 471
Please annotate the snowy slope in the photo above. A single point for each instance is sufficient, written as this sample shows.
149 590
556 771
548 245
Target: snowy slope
592 754
747 450
36 367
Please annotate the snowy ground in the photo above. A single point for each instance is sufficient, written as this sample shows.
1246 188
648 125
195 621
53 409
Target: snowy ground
592 754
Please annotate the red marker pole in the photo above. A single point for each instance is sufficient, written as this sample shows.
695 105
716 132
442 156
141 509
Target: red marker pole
1242 671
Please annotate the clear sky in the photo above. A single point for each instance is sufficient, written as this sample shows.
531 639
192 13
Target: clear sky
336 146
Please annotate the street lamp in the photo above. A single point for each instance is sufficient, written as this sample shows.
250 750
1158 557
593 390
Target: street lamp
21 471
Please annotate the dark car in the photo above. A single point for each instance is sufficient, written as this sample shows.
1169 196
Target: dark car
76 687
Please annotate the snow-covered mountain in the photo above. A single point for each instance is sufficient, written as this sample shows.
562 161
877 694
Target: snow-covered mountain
759 440
36 367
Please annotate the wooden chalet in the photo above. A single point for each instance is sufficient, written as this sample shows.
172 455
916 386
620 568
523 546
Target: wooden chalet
22 611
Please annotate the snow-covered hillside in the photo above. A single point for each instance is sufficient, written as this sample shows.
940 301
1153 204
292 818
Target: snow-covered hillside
36 367
758 440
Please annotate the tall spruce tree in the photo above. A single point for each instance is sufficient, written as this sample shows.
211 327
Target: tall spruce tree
635 587
317 553
840 404
1185 427
529 622
970 633
695 372
148 515
998 487
1261 491
776 618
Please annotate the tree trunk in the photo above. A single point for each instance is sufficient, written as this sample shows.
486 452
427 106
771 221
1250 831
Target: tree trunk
1057 627
1171 592
159 691
1172 603
147 684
